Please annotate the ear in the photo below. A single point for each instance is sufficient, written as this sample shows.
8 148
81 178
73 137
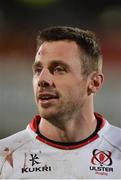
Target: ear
95 82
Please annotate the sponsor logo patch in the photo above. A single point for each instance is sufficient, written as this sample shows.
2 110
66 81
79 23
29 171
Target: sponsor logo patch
33 164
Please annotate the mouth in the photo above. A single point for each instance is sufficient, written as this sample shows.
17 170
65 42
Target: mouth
48 96
46 99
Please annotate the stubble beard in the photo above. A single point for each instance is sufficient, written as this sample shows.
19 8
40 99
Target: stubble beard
61 114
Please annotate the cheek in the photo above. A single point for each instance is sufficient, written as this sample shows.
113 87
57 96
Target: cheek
35 90
71 87
34 85
76 90
70 91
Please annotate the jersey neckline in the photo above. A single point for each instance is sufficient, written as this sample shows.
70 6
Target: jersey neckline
67 146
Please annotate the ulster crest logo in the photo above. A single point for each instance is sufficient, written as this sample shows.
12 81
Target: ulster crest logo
101 158
101 162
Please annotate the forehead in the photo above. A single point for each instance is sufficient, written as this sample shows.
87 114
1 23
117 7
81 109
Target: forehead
58 50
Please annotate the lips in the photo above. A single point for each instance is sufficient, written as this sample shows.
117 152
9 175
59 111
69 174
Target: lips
47 96
46 100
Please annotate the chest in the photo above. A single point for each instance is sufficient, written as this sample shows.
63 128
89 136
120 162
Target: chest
47 162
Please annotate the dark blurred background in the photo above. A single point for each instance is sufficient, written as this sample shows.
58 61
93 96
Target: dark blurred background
20 21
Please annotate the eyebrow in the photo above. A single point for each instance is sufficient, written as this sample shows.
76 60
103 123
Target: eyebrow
59 62
52 63
36 64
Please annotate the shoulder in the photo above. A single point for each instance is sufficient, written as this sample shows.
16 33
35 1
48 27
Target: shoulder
113 135
15 141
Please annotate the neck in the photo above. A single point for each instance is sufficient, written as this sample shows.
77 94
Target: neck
73 132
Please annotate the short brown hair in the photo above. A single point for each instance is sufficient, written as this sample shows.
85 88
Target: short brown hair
85 39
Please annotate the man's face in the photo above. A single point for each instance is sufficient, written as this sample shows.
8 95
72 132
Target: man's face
59 88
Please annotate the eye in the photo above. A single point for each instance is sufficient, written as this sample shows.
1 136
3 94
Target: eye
37 70
59 69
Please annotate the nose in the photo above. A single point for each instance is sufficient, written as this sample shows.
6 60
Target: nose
45 78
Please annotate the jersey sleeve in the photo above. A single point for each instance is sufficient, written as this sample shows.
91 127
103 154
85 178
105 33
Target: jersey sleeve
8 148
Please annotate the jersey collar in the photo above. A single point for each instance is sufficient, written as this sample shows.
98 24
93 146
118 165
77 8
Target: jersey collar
33 125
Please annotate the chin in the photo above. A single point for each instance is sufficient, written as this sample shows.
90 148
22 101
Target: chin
47 113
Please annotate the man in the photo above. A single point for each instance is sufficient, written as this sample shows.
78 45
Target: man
67 139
